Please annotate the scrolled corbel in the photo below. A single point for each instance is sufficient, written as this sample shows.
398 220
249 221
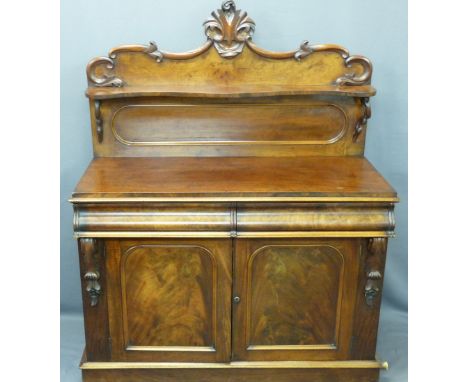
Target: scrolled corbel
98 120
362 121
92 286
89 249
374 269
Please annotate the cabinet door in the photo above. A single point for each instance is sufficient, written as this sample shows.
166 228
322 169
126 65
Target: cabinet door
295 298
169 300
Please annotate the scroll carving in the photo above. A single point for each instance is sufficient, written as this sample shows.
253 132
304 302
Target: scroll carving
366 114
89 249
352 78
374 269
107 78
230 29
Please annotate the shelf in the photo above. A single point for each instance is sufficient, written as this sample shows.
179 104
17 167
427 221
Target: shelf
171 90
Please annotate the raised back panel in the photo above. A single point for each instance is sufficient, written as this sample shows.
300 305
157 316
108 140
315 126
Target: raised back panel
229 97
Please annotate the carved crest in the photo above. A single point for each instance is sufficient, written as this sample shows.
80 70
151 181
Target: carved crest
229 29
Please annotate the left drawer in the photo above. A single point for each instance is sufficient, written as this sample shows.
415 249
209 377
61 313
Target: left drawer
115 219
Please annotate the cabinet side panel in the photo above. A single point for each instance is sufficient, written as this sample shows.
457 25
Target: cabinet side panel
94 293
368 298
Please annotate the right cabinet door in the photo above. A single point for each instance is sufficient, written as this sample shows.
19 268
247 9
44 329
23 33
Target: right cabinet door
294 298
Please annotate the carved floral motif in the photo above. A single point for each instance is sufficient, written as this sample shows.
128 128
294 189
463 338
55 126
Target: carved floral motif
229 29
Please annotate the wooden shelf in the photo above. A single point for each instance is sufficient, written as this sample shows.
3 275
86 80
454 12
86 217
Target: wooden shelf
171 90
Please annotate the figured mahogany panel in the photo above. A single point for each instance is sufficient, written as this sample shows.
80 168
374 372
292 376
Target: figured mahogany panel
168 295
294 295
170 300
296 299
233 124
285 126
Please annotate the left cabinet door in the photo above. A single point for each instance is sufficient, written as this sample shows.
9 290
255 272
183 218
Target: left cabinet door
169 300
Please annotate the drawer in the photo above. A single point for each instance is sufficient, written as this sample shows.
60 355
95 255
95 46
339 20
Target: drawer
153 217
231 219
315 217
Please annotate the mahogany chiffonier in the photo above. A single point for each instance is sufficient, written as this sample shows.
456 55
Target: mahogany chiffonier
229 226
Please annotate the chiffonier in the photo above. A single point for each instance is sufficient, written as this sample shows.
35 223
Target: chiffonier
229 226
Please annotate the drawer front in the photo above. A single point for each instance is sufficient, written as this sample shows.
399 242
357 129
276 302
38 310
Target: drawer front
169 300
153 217
226 219
295 299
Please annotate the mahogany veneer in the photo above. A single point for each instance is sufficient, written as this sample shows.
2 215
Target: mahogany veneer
233 178
229 226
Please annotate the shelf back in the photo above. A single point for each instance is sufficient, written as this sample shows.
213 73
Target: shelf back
229 97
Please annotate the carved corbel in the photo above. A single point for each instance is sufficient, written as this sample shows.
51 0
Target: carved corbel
89 249
98 120
362 121
374 269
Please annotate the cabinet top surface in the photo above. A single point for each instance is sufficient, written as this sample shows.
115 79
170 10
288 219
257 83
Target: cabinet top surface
232 179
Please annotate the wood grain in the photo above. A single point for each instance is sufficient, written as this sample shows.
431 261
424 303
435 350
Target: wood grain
214 91
262 126
231 218
366 319
96 318
296 299
170 300
226 217
233 375
230 177
169 296
295 295
143 124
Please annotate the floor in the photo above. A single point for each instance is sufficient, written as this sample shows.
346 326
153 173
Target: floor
392 346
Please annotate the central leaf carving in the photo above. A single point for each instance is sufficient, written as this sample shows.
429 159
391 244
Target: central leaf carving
229 29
